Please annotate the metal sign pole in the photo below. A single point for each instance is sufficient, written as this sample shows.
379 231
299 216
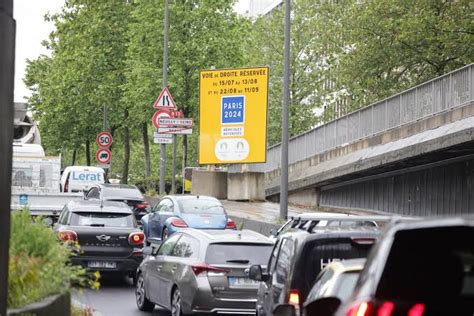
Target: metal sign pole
285 118
7 70
165 84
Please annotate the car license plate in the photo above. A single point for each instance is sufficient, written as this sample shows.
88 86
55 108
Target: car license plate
242 282
102 264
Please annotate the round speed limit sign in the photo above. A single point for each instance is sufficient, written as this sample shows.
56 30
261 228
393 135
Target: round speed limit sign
104 139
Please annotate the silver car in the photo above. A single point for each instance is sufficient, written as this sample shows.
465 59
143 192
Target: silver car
196 271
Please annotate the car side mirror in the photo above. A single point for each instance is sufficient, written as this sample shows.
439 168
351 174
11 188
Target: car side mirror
284 310
256 273
324 306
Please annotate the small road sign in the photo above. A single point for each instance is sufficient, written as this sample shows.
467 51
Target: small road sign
104 140
175 130
103 156
175 122
165 100
160 114
158 135
162 140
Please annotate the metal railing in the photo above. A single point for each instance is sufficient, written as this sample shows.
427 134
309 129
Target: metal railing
449 91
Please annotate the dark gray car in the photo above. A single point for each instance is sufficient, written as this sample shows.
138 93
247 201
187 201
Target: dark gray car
198 271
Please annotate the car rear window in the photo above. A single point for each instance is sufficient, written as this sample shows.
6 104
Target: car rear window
120 194
102 219
200 206
345 285
238 253
430 264
318 253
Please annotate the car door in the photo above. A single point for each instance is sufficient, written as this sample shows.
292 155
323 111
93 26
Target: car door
263 290
175 268
278 280
154 281
153 220
165 210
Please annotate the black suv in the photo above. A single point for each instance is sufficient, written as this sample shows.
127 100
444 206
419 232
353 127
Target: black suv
299 255
418 268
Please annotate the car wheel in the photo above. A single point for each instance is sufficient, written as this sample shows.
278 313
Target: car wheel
165 234
176 304
143 303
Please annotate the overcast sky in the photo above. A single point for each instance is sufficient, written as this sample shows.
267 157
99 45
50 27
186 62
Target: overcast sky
31 29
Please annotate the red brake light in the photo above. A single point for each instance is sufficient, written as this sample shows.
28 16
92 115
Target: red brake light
294 297
359 309
363 241
67 235
178 222
136 239
386 309
199 268
66 186
416 310
230 224
142 205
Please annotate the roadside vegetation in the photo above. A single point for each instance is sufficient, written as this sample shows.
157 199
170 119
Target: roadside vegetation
39 264
344 55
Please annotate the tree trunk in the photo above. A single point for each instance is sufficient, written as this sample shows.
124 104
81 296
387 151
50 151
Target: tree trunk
74 153
146 149
88 152
126 150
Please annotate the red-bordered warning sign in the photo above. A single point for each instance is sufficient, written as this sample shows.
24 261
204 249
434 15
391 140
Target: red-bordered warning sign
165 100
159 115
104 139
103 156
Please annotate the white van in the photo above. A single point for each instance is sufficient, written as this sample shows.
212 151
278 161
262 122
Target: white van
80 178
27 150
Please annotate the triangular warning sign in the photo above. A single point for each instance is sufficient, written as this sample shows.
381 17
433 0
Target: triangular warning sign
165 100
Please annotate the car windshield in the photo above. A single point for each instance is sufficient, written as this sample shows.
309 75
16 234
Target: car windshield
102 219
201 206
119 194
230 253
345 285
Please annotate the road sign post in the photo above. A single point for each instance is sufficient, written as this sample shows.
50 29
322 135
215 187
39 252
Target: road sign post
7 65
233 115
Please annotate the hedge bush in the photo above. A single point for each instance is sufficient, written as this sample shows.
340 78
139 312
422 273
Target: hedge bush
39 264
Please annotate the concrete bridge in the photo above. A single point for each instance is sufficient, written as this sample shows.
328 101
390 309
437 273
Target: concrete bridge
412 153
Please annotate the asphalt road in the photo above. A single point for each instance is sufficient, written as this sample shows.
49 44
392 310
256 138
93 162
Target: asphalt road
116 297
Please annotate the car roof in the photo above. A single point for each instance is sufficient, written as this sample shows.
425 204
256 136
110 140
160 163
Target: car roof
325 232
117 186
191 197
95 206
83 168
228 236
467 220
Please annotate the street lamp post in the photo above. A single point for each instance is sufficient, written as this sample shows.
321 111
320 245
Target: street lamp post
285 117
7 70
165 84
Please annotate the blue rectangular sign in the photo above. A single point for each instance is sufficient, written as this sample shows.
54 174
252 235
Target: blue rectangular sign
233 110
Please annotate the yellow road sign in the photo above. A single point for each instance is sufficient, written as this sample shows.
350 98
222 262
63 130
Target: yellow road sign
233 115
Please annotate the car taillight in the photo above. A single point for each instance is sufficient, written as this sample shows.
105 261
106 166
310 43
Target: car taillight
385 308
136 239
363 240
66 186
199 268
178 222
230 224
142 205
67 235
294 297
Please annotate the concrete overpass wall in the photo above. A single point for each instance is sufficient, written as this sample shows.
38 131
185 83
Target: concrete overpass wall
444 188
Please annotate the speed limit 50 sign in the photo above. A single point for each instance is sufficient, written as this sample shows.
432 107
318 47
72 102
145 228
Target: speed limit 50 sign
104 139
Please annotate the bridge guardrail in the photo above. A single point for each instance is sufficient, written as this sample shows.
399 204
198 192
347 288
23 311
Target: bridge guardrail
449 91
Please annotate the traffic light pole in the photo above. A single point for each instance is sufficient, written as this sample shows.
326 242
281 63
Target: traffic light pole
165 84
7 70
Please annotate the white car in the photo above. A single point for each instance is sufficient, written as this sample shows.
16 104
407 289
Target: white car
81 178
